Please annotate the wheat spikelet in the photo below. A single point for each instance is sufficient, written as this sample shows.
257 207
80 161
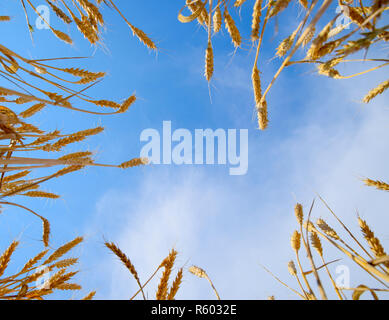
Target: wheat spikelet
256 80
355 16
262 115
64 263
256 20
46 231
33 261
327 48
142 36
238 3
261 104
6 256
89 296
87 29
60 278
163 284
22 292
198 272
327 229
176 285
317 43
16 176
332 73
77 72
194 7
232 29
5 18
41 194
307 39
93 12
209 62
278 7
36 275
292 268
316 243
217 20
62 36
286 44
63 250
68 169
376 91
32 110
123 258
68 286
298 211
327 68
374 243
106 103
127 104
59 12
295 241
45 138
308 225
27 127
134 163
17 189
76 155
75 137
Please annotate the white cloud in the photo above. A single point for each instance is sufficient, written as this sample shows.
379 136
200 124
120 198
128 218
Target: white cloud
229 225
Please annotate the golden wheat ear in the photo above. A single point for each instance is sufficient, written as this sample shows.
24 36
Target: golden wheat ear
198 272
168 263
127 263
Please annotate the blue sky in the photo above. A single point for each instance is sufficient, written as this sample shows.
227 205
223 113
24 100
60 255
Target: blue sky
320 139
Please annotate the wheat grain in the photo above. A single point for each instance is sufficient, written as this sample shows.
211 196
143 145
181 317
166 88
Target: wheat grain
217 20
256 20
316 243
279 6
262 115
176 285
89 296
64 263
41 194
63 250
162 292
63 36
59 12
298 211
292 268
374 243
295 241
33 261
6 256
327 229
209 62
134 163
232 29
376 91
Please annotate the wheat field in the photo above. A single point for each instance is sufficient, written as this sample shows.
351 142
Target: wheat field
32 156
